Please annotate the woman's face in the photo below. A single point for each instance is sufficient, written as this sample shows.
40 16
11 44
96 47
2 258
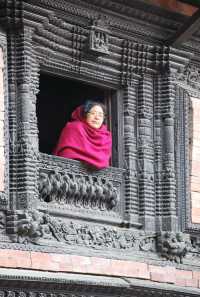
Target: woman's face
95 116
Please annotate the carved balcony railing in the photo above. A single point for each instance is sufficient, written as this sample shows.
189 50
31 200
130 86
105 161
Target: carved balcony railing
70 188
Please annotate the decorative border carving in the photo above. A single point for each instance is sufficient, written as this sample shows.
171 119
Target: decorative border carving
189 79
93 193
37 227
140 14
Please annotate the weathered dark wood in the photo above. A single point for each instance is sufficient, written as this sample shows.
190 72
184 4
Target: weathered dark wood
60 201
186 31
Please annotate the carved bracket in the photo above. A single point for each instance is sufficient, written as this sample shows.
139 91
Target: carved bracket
173 246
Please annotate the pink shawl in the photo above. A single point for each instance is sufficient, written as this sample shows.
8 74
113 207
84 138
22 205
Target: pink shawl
82 142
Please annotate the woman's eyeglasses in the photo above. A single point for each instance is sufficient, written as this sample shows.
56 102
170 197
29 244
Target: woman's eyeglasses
94 113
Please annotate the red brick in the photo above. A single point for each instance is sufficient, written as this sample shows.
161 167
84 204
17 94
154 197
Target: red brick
192 283
80 263
184 274
43 261
180 282
117 267
144 272
100 265
60 258
196 215
15 259
157 277
195 164
162 274
64 262
196 275
130 268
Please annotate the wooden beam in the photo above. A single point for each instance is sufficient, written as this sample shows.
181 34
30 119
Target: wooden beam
186 31
191 2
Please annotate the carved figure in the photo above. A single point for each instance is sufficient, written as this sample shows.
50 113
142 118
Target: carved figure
30 226
173 246
86 138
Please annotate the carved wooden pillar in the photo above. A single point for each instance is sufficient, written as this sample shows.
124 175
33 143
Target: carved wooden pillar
12 118
27 134
146 152
167 99
130 152
158 152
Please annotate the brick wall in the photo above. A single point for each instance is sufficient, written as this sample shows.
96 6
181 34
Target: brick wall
195 159
176 6
99 266
2 155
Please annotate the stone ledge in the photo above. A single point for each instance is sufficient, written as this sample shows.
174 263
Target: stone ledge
61 281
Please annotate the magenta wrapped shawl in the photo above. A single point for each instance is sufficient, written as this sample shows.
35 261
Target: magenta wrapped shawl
82 142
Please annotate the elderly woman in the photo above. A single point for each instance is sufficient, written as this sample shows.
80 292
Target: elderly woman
86 137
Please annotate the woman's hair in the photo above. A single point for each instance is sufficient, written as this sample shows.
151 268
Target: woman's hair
87 106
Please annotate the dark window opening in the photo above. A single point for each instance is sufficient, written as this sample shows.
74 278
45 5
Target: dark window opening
57 99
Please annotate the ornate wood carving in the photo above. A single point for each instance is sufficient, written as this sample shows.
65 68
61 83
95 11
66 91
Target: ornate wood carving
4 138
146 152
37 227
168 96
27 133
78 191
130 155
174 246
68 185
53 36
99 38
158 152
189 79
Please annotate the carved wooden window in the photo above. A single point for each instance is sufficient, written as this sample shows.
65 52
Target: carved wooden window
66 186
57 98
